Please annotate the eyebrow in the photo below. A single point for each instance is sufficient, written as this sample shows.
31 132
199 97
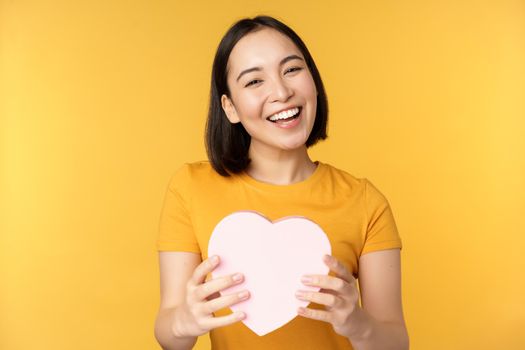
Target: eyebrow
283 61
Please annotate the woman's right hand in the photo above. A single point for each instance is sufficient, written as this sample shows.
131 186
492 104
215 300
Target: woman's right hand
195 316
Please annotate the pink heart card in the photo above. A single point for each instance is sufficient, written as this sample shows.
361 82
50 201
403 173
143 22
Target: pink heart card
272 256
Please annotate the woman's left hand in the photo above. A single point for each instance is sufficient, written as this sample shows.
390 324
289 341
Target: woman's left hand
338 294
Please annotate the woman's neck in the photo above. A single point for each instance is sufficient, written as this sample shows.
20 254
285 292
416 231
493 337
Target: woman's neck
281 167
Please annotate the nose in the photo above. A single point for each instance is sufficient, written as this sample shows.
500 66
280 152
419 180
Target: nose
280 90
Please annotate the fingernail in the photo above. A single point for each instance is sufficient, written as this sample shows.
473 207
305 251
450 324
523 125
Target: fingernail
243 294
237 277
306 279
214 259
299 294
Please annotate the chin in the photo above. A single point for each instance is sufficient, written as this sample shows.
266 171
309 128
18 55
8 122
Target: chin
293 146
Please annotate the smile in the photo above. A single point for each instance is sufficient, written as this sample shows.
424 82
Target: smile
285 115
290 122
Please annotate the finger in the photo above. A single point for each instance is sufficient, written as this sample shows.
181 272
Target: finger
215 322
326 282
225 301
339 269
215 285
326 299
204 268
315 314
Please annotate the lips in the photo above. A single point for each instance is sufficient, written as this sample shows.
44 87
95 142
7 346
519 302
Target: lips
286 109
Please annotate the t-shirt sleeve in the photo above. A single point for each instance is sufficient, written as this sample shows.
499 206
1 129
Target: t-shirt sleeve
381 232
176 231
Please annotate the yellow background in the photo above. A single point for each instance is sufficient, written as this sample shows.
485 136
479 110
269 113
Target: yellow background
102 100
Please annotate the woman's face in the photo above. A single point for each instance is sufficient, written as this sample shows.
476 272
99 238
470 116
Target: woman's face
267 74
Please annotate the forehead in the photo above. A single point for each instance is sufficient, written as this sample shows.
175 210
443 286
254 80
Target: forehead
266 46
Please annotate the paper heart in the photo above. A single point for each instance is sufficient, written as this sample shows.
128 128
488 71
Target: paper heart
272 257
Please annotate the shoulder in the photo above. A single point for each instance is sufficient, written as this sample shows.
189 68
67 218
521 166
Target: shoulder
197 169
347 180
191 174
343 178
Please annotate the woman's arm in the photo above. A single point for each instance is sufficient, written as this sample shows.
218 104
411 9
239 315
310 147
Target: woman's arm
381 323
188 301
176 269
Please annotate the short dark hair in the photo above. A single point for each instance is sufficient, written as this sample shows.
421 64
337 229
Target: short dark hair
227 143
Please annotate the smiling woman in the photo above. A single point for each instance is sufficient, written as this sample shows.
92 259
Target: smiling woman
267 107
273 87
261 68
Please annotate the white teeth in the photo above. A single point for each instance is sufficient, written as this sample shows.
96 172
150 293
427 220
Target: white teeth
284 114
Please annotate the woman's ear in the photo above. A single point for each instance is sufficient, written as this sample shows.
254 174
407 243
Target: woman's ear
229 109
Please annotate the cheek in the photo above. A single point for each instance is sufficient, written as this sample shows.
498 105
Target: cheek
313 89
307 86
250 106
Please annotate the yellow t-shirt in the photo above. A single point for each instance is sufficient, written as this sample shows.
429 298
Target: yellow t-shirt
353 213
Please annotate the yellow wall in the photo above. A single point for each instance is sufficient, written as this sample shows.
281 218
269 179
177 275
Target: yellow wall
102 100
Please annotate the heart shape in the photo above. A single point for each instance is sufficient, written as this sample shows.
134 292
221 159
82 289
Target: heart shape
272 256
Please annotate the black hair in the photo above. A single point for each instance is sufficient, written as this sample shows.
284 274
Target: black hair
227 143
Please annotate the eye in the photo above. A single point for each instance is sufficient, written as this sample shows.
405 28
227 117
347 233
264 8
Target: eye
293 69
252 82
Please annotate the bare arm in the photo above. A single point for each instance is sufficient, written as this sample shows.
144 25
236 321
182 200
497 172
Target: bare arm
176 268
382 321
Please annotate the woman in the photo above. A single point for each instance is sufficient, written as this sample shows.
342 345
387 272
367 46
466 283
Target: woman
267 106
